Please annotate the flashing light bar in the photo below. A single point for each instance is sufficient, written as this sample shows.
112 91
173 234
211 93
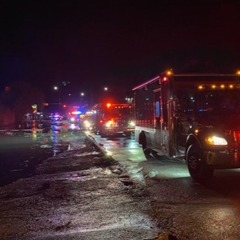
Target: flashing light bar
76 112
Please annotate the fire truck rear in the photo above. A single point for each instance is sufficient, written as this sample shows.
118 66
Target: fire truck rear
191 116
112 118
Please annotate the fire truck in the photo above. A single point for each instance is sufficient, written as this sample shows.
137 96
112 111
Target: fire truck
108 119
194 117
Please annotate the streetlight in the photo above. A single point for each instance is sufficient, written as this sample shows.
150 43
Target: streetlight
82 98
56 89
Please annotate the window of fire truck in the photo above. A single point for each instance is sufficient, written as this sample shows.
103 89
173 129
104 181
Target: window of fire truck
157 110
144 111
218 102
207 106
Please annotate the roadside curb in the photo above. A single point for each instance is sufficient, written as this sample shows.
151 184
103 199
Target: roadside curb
98 145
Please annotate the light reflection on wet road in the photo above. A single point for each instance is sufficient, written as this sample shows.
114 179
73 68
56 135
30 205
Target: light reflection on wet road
163 168
187 209
127 152
20 152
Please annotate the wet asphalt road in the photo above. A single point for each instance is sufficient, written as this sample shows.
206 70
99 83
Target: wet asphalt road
182 207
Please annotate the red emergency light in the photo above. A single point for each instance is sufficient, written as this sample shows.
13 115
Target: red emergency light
164 79
108 105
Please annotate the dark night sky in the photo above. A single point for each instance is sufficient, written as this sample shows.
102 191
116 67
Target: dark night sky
115 43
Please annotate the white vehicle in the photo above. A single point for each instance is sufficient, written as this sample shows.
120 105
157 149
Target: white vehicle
191 116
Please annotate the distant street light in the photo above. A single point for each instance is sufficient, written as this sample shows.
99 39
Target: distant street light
82 94
56 89
105 88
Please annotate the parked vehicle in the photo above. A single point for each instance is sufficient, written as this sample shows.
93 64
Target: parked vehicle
191 116
111 118
36 120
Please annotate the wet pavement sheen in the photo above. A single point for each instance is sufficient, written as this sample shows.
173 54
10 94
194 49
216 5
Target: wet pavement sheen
20 152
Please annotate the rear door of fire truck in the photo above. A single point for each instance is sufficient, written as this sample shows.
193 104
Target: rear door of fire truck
154 110
167 107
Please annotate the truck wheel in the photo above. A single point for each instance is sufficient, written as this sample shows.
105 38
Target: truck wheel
197 167
142 140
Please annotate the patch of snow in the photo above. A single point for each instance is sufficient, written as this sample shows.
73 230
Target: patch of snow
85 154
45 146
74 146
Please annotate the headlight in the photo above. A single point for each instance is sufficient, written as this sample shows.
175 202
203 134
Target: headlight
214 140
87 124
109 124
72 126
131 124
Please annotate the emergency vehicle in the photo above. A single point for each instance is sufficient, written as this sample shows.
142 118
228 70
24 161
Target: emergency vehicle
108 119
74 117
195 117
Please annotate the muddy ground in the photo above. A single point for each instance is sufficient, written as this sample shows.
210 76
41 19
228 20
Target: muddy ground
78 194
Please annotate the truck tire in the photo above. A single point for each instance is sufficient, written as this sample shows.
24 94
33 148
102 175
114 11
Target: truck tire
142 140
197 167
